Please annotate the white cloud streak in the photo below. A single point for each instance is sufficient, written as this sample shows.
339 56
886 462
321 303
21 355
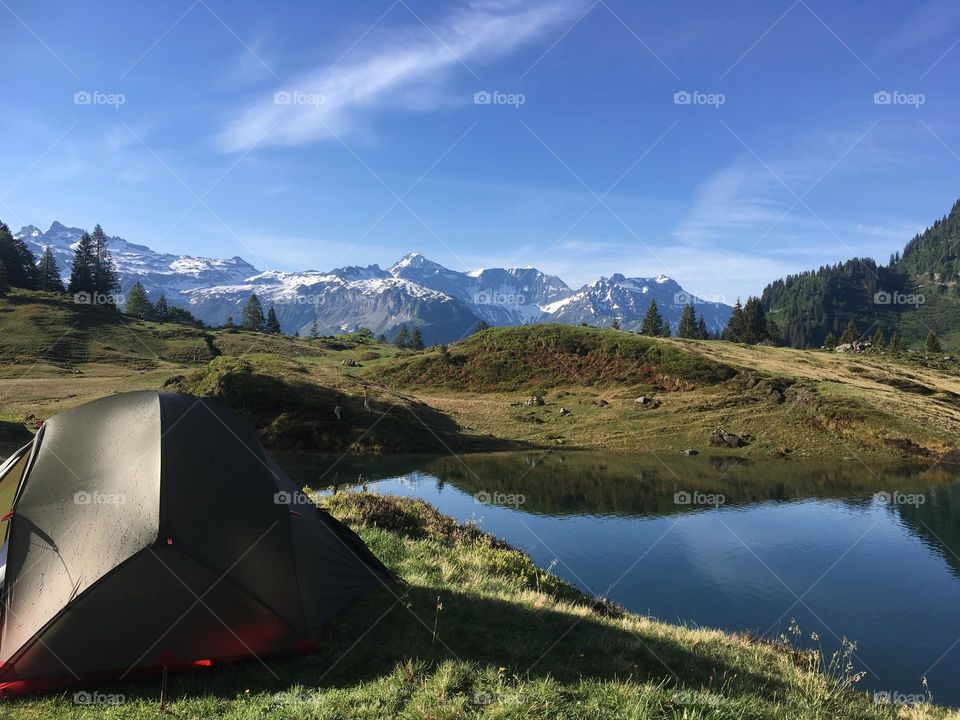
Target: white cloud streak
403 72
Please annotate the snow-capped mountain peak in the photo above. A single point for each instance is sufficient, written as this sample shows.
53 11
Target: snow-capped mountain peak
445 303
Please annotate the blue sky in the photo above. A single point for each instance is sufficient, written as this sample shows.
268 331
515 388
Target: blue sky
315 134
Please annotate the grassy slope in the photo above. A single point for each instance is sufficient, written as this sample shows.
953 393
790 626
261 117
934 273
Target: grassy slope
787 401
55 354
480 632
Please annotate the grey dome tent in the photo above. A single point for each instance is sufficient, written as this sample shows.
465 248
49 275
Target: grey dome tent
150 530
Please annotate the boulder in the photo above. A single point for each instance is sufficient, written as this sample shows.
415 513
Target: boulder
564 411
721 438
690 451
350 362
533 400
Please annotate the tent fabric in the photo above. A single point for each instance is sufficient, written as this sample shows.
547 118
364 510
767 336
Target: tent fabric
152 530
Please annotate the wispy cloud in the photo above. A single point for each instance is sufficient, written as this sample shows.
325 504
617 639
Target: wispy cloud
405 71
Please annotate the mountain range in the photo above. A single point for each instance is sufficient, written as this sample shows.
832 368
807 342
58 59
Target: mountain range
446 304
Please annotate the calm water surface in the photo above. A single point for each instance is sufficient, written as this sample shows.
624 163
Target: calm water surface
845 550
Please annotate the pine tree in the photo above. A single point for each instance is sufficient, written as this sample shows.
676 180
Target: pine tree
932 344
688 322
402 338
17 259
830 342
878 341
81 270
615 324
138 304
48 274
106 282
665 329
702 332
314 329
228 325
272 324
253 315
161 310
896 344
4 285
416 339
850 333
652 322
735 328
381 338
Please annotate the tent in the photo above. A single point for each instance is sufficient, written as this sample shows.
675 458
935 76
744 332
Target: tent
150 530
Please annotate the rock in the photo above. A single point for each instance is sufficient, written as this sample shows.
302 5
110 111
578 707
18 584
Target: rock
350 362
533 400
175 380
721 438
564 411
647 402
856 346
691 451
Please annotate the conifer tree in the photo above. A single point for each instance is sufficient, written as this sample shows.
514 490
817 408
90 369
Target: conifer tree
253 318
228 325
161 310
81 270
850 333
615 324
702 332
138 305
896 344
314 329
106 282
17 259
4 285
48 274
272 324
830 342
665 330
688 322
878 342
652 321
402 338
932 345
416 339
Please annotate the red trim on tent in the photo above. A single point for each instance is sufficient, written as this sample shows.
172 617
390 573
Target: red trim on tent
36 685
4 519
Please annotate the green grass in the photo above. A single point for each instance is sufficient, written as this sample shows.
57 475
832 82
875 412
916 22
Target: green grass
477 630
540 357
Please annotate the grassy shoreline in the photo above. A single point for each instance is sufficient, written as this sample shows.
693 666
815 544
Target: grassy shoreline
476 630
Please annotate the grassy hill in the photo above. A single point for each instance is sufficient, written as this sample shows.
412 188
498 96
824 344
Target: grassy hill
472 396
477 630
